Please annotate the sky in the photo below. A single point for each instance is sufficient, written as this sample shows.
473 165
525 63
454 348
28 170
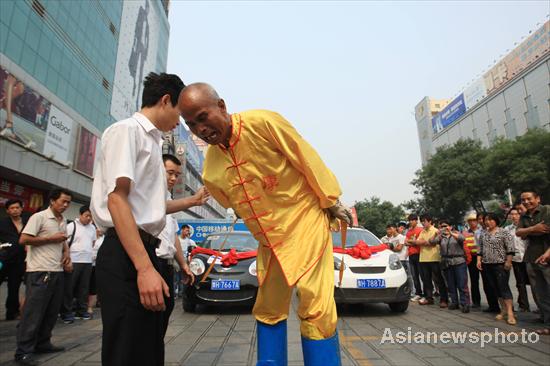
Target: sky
347 74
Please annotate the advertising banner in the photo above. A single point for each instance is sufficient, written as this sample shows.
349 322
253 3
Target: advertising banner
201 228
474 93
33 199
23 112
58 135
86 152
138 46
512 64
449 114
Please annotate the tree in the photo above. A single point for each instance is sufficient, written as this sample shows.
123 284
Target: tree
375 215
453 179
521 164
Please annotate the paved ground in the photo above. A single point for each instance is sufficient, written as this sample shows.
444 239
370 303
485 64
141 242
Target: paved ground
226 336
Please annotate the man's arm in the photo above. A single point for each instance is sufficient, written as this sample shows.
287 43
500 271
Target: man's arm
539 229
181 204
150 284
180 258
27 239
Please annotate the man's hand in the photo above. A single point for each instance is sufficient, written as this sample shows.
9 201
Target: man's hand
58 237
540 228
479 264
341 212
188 276
151 288
544 259
201 196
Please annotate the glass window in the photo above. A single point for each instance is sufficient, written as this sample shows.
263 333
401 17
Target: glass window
354 236
240 242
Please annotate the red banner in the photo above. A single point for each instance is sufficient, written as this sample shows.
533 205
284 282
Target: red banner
33 199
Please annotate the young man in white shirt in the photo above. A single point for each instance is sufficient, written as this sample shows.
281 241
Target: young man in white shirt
170 248
47 256
187 244
81 249
129 204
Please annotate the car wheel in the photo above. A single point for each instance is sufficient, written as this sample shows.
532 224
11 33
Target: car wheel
399 307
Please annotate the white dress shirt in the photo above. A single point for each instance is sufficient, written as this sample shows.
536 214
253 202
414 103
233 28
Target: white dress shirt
167 247
131 148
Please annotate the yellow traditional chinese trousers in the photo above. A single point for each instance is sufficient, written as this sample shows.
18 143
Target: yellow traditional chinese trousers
277 183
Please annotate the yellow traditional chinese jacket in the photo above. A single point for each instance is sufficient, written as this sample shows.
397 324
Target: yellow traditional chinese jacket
276 182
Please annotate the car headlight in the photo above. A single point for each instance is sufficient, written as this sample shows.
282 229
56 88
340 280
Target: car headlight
394 261
338 263
197 266
252 269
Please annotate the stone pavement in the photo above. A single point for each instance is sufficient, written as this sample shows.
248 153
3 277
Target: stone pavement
226 336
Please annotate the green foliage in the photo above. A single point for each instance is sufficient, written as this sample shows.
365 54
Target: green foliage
465 172
375 215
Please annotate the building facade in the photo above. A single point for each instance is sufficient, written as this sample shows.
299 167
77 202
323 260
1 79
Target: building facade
68 70
508 100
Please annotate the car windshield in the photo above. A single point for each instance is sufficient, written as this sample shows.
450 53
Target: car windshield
241 242
354 236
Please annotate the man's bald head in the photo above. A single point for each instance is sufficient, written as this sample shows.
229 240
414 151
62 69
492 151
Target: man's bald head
199 92
205 113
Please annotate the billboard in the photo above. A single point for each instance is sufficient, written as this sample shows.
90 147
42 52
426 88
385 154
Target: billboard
58 135
512 64
453 111
201 228
28 118
138 46
474 93
86 149
23 113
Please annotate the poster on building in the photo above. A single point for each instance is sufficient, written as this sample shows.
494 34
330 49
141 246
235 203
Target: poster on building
139 44
33 199
86 152
536 45
474 93
200 229
453 111
23 112
58 135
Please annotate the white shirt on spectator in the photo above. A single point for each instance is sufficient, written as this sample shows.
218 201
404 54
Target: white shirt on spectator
167 247
97 245
185 244
394 241
131 148
83 243
519 244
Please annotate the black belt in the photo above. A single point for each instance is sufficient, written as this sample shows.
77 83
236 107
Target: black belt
146 238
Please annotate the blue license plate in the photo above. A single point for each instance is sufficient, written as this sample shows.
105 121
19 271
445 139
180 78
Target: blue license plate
371 283
225 285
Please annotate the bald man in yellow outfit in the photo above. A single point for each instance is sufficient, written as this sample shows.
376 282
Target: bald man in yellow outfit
260 166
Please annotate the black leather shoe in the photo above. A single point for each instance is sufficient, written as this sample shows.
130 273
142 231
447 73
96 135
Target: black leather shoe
26 359
453 306
49 349
465 309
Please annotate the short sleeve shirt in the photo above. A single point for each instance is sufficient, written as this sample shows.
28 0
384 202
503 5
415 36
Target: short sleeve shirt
429 253
47 257
536 244
83 243
413 234
167 247
131 148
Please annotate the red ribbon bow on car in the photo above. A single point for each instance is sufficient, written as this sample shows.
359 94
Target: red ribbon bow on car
231 258
361 250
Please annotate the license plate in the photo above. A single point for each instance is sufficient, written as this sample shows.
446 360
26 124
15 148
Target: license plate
225 285
371 283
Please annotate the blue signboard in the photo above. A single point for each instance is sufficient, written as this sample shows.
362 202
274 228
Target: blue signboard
449 114
201 228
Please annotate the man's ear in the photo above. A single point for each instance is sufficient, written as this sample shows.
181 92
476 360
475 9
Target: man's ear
221 105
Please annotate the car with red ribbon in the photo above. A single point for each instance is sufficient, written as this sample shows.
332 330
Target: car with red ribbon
229 261
367 271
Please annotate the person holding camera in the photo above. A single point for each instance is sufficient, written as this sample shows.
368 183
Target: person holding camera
454 265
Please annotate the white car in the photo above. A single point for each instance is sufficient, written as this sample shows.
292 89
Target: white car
378 279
